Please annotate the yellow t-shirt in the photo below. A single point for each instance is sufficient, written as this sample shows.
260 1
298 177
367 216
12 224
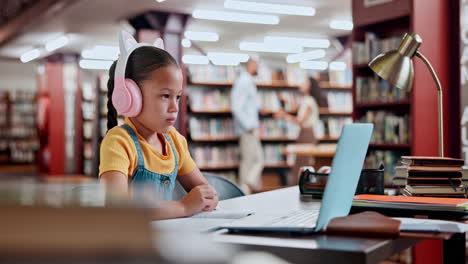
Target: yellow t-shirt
118 153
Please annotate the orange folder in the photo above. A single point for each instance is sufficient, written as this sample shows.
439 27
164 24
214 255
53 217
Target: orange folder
411 199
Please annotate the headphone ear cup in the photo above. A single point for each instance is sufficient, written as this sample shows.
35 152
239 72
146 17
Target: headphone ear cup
121 98
136 98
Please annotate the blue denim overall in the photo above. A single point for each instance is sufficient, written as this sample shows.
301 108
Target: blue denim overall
164 183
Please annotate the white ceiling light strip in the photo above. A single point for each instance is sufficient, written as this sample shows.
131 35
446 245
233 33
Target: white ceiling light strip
95 64
195 59
240 57
269 47
186 43
57 43
30 55
270 8
235 17
304 42
309 55
341 24
101 52
201 36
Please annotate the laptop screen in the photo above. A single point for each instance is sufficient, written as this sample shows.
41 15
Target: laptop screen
344 176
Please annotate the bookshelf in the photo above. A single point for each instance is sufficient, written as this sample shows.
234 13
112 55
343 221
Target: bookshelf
94 113
89 116
212 141
19 141
405 122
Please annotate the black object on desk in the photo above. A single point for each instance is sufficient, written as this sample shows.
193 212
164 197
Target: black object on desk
371 181
313 184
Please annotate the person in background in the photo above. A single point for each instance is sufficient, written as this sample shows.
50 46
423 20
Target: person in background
245 111
145 85
307 117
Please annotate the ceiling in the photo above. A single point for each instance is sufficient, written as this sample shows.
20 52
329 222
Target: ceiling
97 22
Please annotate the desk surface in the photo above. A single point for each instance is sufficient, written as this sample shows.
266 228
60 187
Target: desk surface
316 248
312 150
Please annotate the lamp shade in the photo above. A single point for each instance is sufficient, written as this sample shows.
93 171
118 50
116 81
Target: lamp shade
396 66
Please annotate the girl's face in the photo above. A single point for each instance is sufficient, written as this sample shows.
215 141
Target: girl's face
305 86
161 94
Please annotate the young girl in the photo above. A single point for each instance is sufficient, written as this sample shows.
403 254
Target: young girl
145 85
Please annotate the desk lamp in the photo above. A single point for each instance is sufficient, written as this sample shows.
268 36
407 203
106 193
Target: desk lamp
396 67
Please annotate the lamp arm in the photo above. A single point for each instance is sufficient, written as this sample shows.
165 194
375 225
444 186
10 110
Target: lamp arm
439 102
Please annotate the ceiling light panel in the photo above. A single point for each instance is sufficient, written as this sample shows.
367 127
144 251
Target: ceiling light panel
236 17
341 24
101 52
195 59
30 55
269 47
304 42
309 55
270 8
201 35
95 64
240 57
57 43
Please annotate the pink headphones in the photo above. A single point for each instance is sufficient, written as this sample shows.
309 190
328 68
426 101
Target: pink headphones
126 97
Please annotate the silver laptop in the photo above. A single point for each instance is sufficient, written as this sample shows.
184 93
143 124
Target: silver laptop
339 192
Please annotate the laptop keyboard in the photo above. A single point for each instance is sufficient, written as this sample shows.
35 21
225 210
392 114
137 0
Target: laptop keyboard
296 219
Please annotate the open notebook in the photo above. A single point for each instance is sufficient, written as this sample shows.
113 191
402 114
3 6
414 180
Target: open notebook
202 222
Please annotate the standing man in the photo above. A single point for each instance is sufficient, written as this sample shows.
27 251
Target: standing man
245 111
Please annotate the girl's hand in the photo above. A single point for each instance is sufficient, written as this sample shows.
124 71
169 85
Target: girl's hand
200 198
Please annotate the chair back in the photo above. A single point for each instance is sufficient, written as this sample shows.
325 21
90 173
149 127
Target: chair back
226 189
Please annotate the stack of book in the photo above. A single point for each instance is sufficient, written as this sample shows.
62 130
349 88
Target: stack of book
430 176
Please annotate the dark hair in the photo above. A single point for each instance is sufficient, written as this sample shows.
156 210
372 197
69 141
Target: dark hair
316 92
141 63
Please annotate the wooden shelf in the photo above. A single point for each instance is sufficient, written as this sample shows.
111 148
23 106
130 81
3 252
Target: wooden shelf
283 165
328 139
279 139
339 88
228 111
206 111
326 111
383 104
267 113
390 146
259 85
230 139
220 167
361 66
215 139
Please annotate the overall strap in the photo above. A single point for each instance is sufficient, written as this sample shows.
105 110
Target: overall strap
141 160
168 139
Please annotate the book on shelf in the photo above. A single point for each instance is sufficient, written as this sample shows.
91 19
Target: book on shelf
430 175
340 101
412 190
373 89
431 161
291 74
388 127
364 51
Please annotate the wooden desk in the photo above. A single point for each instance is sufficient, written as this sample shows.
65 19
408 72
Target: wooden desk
323 153
317 248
